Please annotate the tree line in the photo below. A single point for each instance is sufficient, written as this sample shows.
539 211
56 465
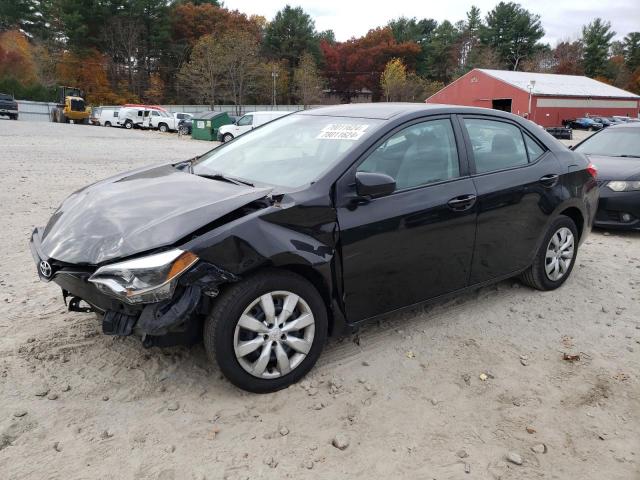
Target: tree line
198 51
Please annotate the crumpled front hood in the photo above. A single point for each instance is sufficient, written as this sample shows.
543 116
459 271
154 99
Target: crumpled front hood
615 168
138 211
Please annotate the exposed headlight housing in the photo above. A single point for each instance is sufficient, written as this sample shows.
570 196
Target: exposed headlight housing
146 279
624 186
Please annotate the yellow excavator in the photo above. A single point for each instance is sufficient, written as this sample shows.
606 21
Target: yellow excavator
70 107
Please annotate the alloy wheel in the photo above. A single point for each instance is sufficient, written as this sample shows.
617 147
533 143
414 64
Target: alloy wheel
559 256
274 334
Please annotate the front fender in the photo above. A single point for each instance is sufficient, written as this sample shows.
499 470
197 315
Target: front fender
300 239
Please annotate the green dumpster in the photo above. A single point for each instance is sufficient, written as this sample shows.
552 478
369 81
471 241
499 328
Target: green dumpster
205 125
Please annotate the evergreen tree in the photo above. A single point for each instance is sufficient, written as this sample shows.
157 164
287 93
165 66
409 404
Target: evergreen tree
631 50
513 32
290 34
596 38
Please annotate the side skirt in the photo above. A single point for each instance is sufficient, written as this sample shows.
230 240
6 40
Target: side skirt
351 327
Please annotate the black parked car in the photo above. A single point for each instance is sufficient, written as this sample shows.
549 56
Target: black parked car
616 151
184 126
8 106
316 222
583 124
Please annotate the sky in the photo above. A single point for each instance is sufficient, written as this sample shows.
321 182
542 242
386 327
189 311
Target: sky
561 19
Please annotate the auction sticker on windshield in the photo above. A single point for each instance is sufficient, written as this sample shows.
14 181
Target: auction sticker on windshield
342 131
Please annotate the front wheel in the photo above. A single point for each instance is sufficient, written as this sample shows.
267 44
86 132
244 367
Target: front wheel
128 124
267 332
227 137
163 128
556 257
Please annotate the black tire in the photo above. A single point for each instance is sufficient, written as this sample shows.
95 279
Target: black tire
128 124
220 326
227 137
536 276
107 124
163 127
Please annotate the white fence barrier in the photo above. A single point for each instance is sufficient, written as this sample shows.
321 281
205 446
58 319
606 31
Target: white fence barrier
41 111
34 111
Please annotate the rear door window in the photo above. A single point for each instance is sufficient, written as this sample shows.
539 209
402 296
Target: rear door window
534 150
496 145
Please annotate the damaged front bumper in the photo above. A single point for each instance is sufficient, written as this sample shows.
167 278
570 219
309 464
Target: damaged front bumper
168 322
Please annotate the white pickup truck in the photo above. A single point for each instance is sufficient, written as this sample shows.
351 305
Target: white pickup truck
163 121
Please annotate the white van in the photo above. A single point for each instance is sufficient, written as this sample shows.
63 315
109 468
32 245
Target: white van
247 123
107 117
129 117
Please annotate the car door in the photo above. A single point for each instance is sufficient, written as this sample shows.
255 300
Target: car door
243 125
518 187
154 119
417 242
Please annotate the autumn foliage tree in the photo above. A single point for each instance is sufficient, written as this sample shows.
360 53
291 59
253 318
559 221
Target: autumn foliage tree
190 22
393 79
202 75
308 83
359 62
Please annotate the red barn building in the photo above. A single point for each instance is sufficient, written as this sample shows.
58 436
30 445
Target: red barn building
545 98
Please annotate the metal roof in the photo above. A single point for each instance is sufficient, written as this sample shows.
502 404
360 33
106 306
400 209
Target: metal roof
553 84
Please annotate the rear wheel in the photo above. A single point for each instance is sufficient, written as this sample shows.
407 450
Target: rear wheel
556 257
107 124
267 332
227 137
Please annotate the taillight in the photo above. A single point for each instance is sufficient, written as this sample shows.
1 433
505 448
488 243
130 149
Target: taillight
593 170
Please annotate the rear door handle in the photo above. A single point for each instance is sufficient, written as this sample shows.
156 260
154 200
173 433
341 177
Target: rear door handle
549 180
462 202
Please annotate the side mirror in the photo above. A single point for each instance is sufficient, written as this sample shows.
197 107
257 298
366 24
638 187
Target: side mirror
374 184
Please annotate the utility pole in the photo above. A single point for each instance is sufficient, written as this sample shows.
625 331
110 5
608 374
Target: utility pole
274 75
531 86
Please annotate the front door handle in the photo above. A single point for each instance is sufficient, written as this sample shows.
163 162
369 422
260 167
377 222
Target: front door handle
549 180
462 202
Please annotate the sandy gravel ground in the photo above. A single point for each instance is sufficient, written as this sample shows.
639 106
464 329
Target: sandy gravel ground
405 395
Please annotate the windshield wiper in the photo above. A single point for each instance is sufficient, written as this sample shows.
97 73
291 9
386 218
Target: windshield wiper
224 178
629 156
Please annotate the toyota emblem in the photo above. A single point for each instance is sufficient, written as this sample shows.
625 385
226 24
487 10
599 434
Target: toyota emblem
45 269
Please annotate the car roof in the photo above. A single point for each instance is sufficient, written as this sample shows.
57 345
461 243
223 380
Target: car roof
387 111
626 125
267 112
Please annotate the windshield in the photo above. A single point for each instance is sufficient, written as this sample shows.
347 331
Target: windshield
290 152
613 142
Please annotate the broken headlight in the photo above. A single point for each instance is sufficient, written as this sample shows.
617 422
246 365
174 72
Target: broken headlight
144 280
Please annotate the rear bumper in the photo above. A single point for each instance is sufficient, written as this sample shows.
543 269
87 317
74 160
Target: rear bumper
614 206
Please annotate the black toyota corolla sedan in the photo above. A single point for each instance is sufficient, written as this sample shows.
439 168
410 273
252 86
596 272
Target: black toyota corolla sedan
315 223
616 151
